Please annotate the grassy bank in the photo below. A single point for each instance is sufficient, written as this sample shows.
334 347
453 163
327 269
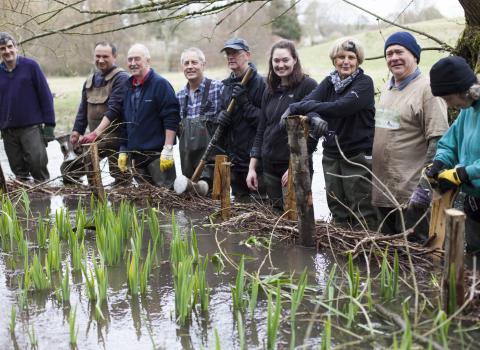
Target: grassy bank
314 60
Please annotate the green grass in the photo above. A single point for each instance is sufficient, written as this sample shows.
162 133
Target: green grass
315 62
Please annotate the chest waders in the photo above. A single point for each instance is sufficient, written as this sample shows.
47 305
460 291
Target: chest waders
195 137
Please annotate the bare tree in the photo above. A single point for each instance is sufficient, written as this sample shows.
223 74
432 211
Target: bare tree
468 45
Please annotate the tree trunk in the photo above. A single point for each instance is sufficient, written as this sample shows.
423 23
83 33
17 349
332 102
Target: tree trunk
468 46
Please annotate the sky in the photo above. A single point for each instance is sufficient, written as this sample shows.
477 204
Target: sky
449 8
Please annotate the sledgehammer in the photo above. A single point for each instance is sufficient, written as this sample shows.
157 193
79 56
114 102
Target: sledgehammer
182 183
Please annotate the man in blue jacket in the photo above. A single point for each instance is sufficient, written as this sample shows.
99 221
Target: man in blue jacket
152 115
27 116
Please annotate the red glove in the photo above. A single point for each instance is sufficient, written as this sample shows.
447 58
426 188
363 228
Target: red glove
89 138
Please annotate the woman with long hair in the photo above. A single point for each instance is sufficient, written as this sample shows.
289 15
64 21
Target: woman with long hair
287 83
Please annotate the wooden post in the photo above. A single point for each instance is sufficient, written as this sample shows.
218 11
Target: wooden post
453 271
3 182
219 159
95 178
225 189
290 206
297 128
436 232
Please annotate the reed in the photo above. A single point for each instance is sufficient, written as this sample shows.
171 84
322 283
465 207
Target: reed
13 320
54 251
389 277
273 318
42 230
73 329
443 326
241 331
296 299
353 278
253 294
407 337
77 251
201 284
326 343
62 223
146 270
66 286
179 247
133 268
239 289
217 340
25 203
101 277
33 337
38 276
184 283
154 227
89 282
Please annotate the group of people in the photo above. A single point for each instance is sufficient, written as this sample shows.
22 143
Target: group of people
135 119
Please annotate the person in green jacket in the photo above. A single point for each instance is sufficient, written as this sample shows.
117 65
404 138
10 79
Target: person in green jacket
457 159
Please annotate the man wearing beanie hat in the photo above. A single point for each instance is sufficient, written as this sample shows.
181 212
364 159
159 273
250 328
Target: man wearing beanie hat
456 162
408 123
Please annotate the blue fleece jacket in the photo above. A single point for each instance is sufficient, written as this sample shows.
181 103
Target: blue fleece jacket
460 146
25 98
148 112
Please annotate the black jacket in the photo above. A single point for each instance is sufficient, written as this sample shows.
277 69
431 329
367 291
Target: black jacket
271 141
238 138
350 114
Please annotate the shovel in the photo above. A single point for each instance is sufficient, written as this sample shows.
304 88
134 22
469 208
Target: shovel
182 183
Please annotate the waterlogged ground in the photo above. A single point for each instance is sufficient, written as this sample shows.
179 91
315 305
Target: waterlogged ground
149 321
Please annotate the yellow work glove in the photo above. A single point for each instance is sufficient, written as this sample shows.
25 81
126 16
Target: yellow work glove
122 162
166 158
450 179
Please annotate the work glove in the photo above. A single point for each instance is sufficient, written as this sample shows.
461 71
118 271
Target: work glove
166 158
283 118
432 170
318 126
450 179
420 198
48 134
224 118
122 162
239 92
89 138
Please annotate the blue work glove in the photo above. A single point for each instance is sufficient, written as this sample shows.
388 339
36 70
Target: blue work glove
224 119
318 126
433 169
420 198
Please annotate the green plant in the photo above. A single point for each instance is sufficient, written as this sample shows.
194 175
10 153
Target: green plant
273 318
54 251
353 278
201 284
146 270
389 277
253 294
25 202
133 268
66 286
89 282
62 223
42 230
239 289
13 319
442 332
217 262
407 337
38 276
77 251
73 330
296 299
184 283
241 331
326 343
33 338
154 227
217 340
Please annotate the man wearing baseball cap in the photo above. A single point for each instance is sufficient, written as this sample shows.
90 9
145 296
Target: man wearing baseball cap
409 120
241 125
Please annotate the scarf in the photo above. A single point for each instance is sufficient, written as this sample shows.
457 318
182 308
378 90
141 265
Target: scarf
340 84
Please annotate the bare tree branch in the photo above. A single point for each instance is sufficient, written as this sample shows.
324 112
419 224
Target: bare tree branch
445 46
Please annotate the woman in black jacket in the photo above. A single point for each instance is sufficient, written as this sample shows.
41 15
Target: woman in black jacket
286 84
345 100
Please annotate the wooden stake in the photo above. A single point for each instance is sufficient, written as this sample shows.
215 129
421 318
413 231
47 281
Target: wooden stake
297 129
225 189
95 178
453 272
219 159
3 182
290 206
436 232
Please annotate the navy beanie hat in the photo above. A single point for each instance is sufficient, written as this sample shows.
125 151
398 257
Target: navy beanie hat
451 75
406 40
